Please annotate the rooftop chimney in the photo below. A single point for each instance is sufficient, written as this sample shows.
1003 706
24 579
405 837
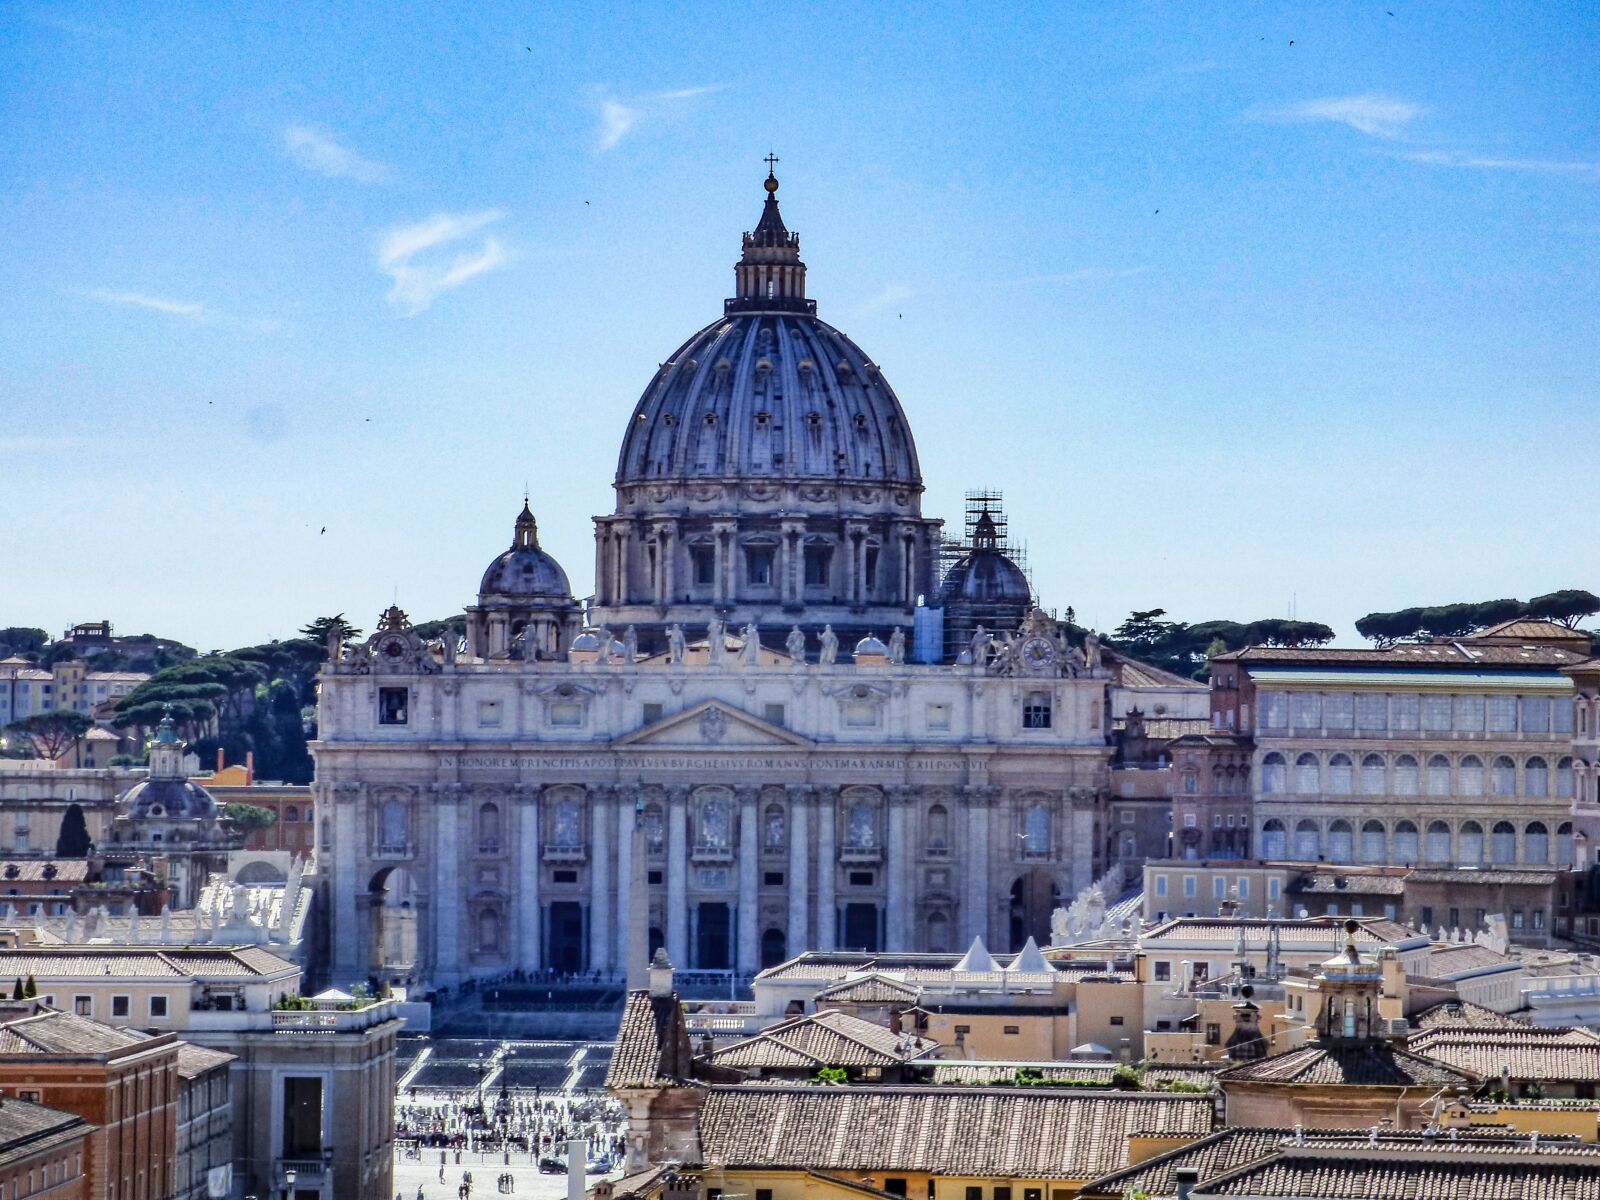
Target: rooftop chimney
1185 1178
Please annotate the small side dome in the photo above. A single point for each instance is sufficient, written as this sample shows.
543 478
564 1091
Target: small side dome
525 572
870 649
586 642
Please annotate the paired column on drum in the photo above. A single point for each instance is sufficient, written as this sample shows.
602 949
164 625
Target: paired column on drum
527 906
748 952
600 884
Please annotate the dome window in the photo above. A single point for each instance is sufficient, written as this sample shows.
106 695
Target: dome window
711 420
667 420
813 421
763 420
861 424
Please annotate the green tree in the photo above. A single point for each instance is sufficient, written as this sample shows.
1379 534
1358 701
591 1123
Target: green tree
317 630
53 732
1568 606
73 840
32 990
21 640
247 818
16 992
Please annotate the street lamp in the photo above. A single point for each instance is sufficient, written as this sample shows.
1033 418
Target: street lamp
288 1184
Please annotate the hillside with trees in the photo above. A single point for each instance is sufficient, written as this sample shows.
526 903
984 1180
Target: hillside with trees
1567 607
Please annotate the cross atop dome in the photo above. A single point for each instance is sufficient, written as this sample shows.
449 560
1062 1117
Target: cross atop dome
770 275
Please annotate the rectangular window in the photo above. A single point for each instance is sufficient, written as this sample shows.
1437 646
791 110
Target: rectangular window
1274 710
819 565
858 715
1274 888
1536 714
1436 716
772 878
1339 711
1011 1030
564 712
1116 1020
1191 887
302 1117
1427 915
703 563
1161 885
83 1006
120 1006
489 712
1561 714
392 705
938 716
1036 711
1372 711
1502 714
862 878
870 569
1242 886
654 877
1306 708
1516 918
158 1007
774 713
1163 972
1190 820
1219 887
1404 713
572 877
758 566
1538 918
652 713
1213 1033
1467 714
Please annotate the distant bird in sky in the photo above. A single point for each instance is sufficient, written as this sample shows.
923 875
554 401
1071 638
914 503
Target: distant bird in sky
323 530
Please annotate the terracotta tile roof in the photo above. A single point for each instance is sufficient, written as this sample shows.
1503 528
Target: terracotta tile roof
1212 1156
1351 883
195 1061
51 1032
998 1133
58 962
1568 1055
869 989
1465 1014
652 1043
1314 931
986 1072
1356 1064
28 1129
1444 961
1449 655
824 1039
831 966
1439 1170
1532 630
34 870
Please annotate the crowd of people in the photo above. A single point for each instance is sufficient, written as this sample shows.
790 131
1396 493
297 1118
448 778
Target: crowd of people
539 1125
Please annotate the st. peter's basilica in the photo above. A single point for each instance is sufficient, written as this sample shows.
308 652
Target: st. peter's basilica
778 724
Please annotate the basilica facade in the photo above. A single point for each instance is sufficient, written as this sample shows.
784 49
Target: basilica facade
748 745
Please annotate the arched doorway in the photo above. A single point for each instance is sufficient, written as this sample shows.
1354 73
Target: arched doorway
394 924
565 944
774 948
1034 897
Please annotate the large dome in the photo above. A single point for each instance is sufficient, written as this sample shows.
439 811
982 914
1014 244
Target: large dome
769 391
769 395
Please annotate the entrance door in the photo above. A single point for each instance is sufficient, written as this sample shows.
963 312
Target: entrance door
566 937
713 945
1033 899
861 927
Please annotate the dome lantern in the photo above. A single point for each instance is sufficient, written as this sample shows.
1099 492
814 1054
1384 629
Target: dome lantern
769 276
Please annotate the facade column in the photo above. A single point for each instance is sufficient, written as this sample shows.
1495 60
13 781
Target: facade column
627 813
678 876
827 869
600 884
722 535
799 934
349 965
897 858
794 582
530 956
975 907
447 937
602 563
748 952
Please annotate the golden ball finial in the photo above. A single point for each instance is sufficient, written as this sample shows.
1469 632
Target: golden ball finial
771 183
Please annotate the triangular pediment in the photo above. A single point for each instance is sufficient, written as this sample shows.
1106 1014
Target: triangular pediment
714 725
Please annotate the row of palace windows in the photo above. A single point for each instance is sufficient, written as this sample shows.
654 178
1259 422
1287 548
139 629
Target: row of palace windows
1405 775
1374 842
1378 712
711 826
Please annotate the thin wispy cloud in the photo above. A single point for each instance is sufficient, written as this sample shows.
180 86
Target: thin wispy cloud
414 284
619 118
1371 114
1083 275
320 152
25 444
172 308
1478 162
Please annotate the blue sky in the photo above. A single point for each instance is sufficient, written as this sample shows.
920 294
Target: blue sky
1243 306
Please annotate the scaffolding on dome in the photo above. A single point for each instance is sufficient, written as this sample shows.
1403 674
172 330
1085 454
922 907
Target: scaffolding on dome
985 528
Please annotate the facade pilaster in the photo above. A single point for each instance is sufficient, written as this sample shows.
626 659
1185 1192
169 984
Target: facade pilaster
799 933
678 875
351 953
601 819
529 913
896 858
627 801
975 907
722 533
827 869
748 951
447 936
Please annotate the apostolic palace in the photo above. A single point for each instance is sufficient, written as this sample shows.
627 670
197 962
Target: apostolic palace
782 722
